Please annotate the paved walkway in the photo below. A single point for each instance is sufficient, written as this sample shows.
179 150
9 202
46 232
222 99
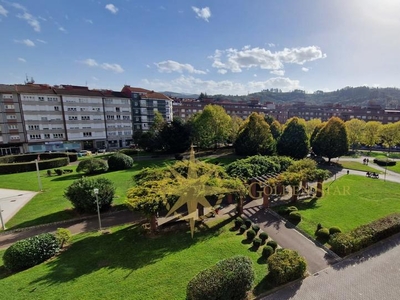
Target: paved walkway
373 274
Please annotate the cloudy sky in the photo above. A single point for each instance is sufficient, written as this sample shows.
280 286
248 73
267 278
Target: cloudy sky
225 46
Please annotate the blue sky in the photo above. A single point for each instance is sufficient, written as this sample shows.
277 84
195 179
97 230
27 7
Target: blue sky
221 46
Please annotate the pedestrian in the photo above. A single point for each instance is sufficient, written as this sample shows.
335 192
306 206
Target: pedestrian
367 161
348 171
364 161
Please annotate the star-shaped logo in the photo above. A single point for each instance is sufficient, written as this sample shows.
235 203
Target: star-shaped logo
193 190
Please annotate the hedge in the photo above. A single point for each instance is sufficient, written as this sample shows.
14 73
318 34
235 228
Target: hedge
285 266
20 158
119 161
229 279
384 162
30 252
31 166
365 235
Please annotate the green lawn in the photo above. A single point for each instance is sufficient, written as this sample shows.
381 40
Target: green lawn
349 202
395 168
125 264
354 165
50 205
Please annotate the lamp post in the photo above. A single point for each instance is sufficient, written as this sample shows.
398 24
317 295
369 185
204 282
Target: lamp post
66 150
96 193
3 224
387 158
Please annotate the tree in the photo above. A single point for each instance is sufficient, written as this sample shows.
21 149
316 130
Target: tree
92 166
390 134
311 125
254 137
294 141
371 133
158 123
355 129
236 123
276 130
269 119
315 132
331 141
212 126
176 136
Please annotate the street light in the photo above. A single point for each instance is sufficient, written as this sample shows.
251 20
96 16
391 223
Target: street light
387 158
96 193
3 224
66 150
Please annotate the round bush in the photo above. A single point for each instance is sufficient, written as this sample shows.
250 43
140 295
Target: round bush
323 233
285 266
81 194
92 166
334 230
230 278
119 161
267 251
257 242
294 216
30 252
291 208
251 234
272 244
238 222
248 223
242 229
256 228
263 236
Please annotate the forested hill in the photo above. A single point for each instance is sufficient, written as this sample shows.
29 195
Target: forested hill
389 97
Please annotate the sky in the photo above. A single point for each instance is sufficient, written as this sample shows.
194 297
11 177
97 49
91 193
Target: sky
227 47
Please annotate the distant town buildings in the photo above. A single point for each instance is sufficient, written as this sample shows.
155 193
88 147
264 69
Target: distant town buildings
40 117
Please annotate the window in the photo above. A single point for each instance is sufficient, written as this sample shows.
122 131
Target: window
85 134
117 109
110 117
85 118
125 118
56 108
47 135
41 98
11 117
12 127
33 127
9 106
96 108
109 101
7 96
71 108
14 137
72 118
35 136
118 117
58 135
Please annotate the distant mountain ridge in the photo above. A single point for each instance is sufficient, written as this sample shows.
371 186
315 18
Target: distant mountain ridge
349 96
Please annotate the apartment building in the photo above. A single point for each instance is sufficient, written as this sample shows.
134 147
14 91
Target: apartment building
12 133
144 104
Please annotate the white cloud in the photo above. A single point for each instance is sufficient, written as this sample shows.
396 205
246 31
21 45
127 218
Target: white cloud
116 68
195 85
113 9
95 78
170 66
235 60
271 45
41 18
3 11
41 41
18 6
202 13
32 21
304 69
112 67
27 42
278 72
88 21
222 71
148 66
20 59
255 75
62 29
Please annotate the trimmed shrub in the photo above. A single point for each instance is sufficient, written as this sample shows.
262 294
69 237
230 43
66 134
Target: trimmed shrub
63 236
334 230
30 252
59 172
19 167
129 151
119 161
294 216
272 244
256 228
291 208
92 166
238 222
251 234
267 251
229 279
82 196
341 244
323 233
263 236
285 266
257 242
243 229
248 223
384 162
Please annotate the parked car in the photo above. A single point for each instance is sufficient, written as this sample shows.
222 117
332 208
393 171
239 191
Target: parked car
85 153
102 150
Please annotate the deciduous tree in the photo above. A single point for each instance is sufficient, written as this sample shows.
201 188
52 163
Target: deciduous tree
294 141
371 133
355 129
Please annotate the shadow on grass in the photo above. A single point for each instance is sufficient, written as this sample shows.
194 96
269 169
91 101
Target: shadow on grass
246 241
262 260
282 294
128 248
68 177
254 248
63 215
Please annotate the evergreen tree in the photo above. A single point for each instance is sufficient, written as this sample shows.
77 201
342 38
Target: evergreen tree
276 129
175 137
294 141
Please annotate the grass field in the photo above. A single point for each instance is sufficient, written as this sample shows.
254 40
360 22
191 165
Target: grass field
395 168
50 205
354 165
125 264
350 202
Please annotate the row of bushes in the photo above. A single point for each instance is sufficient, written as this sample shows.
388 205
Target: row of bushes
346 243
291 213
115 162
31 166
21 158
32 251
325 233
384 162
